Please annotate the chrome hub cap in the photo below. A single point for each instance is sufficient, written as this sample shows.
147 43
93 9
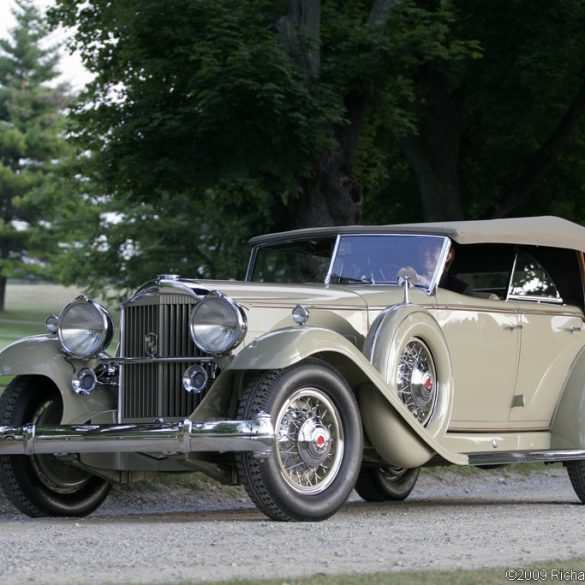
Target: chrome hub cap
416 380
314 442
309 448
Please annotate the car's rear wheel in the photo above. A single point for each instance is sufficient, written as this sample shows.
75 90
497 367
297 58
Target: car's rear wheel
316 455
43 485
576 471
381 484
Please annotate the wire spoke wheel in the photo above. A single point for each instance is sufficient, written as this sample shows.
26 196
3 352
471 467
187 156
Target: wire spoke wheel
317 450
416 380
309 441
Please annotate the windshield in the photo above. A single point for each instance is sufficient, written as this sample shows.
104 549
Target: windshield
349 259
294 261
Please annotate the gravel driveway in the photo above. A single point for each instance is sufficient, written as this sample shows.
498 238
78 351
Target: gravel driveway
165 535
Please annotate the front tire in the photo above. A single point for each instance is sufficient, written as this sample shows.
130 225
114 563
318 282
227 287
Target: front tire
43 485
317 451
382 484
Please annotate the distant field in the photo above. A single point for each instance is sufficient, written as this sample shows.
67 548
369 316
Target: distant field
27 307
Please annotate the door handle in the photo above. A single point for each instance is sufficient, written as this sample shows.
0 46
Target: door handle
573 328
512 326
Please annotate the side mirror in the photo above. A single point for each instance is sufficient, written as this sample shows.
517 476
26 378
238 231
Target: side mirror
407 277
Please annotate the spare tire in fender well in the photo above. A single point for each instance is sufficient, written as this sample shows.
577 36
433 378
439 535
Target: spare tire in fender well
393 329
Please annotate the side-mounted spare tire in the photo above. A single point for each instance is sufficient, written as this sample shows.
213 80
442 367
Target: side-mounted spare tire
317 450
43 485
408 348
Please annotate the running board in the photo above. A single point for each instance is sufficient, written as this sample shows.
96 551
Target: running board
510 457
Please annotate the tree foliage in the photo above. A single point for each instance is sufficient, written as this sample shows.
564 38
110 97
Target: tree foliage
212 120
31 143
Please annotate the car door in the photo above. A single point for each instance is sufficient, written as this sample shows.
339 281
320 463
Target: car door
546 289
482 332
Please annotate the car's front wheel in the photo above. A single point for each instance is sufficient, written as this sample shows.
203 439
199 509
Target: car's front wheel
381 484
43 485
317 450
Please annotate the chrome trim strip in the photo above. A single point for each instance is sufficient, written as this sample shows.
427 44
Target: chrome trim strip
121 381
511 279
251 264
332 261
154 286
503 309
509 457
156 360
440 267
183 437
536 299
509 309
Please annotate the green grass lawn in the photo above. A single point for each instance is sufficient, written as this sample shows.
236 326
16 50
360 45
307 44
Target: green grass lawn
572 571
27 307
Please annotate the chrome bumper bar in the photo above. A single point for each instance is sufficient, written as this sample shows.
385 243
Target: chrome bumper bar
255 435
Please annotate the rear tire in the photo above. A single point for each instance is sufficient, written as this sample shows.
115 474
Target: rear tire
317 451
43 485
576 471
382 484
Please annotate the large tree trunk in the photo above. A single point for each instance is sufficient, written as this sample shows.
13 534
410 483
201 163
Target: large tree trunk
434 154
538 165
3 280
332 196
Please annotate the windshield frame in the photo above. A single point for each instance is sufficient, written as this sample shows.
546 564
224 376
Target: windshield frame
442 258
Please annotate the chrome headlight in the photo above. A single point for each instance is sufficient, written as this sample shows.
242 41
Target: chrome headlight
217 324
85 328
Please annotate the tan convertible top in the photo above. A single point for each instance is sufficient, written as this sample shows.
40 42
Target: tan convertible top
537 231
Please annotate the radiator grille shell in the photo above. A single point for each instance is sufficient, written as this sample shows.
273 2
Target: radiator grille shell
155 390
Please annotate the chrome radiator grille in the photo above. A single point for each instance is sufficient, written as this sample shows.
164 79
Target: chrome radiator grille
153 390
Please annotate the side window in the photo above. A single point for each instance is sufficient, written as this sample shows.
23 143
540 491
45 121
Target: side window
485 268
532 281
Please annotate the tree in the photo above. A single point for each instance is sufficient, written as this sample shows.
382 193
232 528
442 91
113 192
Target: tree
476 106
493 135
223 89
31 143
117 244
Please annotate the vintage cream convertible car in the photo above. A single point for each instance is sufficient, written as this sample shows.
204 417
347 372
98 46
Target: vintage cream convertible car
349 357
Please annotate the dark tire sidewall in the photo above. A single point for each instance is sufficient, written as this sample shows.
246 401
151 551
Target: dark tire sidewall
318 506
20 479
373 486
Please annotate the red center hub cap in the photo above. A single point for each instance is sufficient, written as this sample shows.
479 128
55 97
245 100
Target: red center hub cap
428 383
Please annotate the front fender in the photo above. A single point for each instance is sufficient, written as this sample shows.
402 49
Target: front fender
412 444
41 355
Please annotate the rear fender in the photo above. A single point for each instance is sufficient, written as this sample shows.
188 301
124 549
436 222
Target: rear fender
400 439
568 423
41 355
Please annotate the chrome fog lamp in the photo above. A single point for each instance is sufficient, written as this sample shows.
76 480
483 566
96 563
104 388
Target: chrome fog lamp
217 324
85 328
195 379
85 382
52 323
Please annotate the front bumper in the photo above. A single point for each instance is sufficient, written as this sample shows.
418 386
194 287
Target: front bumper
255 435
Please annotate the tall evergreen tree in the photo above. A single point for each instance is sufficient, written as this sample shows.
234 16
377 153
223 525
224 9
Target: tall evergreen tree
31 144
